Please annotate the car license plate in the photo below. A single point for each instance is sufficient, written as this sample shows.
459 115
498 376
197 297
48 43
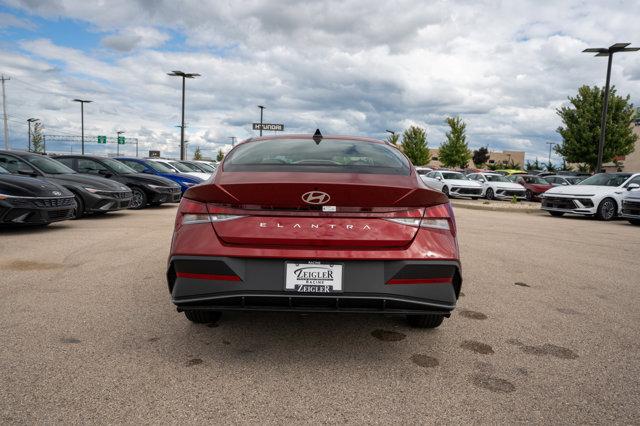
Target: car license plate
313 277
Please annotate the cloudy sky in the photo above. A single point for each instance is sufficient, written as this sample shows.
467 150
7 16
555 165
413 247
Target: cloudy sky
347 67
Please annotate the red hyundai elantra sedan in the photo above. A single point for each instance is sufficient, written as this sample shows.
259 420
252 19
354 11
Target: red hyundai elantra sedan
315 224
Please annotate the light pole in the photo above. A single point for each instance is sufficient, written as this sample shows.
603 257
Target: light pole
82 102
233 140
391 131
551 144
184 76
604 51
29 121
118 133
261 114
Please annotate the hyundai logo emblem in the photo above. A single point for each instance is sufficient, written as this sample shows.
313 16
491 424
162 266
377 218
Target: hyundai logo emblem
56 192
315 197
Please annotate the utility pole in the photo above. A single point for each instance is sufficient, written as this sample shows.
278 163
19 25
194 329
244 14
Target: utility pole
136 147
261 115
604 51
4 112
184 76
233 140
29 121
82 102
551 144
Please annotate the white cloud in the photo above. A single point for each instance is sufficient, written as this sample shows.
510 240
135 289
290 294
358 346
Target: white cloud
343 66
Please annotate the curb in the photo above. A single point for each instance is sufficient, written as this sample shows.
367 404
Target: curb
493 208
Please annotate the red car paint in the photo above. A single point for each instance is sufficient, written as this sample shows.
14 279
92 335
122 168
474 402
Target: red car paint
535 188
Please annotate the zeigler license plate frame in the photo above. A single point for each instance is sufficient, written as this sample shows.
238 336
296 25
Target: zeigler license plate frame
313 277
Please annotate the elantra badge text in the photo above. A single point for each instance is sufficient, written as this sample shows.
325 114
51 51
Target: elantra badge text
313 226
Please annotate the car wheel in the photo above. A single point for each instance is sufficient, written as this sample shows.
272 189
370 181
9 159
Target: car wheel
607 209
425 321
490 195
203 317
529 195
445 191
556 214
634 221
474 198
138 200
79 211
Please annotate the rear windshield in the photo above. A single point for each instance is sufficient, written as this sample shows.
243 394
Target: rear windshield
328 156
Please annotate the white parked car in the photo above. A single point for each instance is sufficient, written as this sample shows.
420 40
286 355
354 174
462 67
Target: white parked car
599 195
422 170
496 186
181 168
452 184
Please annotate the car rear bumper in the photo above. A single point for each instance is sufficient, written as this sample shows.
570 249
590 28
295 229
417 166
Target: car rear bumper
376 286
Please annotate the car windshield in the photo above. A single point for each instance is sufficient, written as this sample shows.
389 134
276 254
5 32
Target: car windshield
181 167
4 171
453 175
159 167
536 180
496 178
575 180
607 179
48 165
205 167
118 167
326 156
192 167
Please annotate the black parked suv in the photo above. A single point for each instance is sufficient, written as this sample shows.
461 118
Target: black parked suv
92 194
147 189
28 201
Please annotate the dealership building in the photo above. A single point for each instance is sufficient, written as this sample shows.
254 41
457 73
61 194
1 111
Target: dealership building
627 163
495 157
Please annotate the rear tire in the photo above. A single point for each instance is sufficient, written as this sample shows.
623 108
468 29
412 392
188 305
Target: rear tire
607 209
556 214
203 317
634 222
445 191
529 195
489 194
474 198
425 321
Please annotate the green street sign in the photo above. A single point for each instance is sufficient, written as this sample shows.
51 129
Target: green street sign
120 140
102 139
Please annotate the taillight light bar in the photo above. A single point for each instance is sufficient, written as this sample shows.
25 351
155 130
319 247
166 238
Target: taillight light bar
435 217
193 212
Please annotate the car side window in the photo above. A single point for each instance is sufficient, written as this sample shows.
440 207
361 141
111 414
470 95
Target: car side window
66 161
134 165
90 166
14 165
439 175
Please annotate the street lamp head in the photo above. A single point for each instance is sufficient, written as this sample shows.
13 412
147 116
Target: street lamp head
390 131
614 48
262 107
31 120
82 101
183 74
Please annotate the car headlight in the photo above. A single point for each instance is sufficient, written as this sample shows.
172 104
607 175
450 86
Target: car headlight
157 186
4 196
91 190
188 183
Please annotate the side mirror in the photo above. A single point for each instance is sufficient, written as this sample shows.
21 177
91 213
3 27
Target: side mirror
438 178
564 183
147 171
105 173
632 186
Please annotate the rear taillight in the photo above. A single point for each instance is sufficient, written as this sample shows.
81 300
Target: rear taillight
435 217
192 212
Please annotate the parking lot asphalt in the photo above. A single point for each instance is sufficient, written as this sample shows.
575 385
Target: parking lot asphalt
547 331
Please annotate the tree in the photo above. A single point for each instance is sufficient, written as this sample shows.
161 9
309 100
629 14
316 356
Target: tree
480 156
454 152
37 138
535 165
393 138
414 145
581 130
197 155
550 167
220 156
